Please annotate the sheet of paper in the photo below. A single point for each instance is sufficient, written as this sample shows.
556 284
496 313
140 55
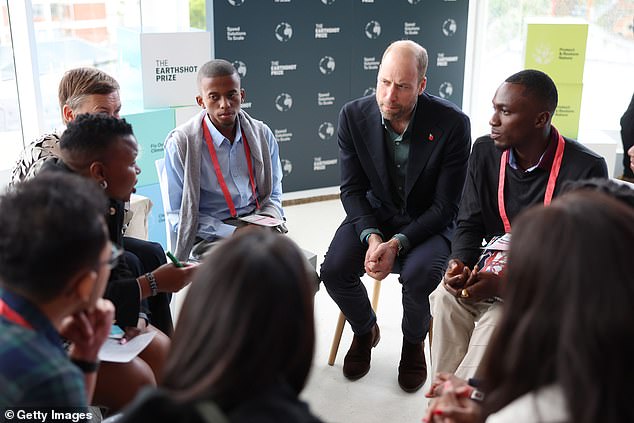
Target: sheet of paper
258 219
112 350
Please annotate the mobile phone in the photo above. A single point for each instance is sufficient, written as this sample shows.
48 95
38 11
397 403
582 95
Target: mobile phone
116 332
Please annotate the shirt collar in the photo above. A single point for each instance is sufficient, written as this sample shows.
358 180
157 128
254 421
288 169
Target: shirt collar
32 314
217 137
547 157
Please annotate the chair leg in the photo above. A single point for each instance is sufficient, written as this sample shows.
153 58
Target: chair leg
376 290
336 340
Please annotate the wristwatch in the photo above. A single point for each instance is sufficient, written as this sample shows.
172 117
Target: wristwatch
86 366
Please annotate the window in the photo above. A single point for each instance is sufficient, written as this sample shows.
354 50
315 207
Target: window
73 33
10 126
499 52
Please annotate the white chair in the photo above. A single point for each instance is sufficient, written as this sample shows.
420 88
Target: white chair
170 242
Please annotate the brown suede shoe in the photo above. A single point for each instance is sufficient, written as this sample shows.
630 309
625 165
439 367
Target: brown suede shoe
356 364
412 370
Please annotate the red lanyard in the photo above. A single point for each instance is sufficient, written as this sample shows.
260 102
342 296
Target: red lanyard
12 316
221 179
550 187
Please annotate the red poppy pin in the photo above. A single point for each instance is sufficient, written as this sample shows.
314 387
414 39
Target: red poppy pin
430 137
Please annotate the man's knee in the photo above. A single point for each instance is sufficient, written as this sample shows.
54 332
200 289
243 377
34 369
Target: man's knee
330 270
442 304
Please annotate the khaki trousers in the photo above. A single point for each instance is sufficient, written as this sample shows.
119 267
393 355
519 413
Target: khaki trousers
458 344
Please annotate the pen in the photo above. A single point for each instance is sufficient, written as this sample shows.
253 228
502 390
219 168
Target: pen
174 259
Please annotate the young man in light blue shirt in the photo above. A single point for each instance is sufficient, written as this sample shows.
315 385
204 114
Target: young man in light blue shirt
221 164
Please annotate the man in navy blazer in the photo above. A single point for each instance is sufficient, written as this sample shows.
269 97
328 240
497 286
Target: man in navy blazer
403 158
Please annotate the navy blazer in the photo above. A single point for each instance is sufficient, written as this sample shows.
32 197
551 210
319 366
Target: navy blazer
437 165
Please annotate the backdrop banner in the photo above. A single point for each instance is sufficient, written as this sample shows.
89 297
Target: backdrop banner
301 61
559 49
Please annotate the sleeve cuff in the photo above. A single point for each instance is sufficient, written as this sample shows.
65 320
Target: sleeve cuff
367 232
404 241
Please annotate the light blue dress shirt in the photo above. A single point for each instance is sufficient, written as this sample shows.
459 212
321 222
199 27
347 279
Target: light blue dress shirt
232 160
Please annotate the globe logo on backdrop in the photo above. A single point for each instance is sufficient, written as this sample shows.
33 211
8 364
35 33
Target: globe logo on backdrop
283 102
236 2
287 167
369 91
373 30
326 130
445 90
283 32
449 27
327 65
241 67
327 2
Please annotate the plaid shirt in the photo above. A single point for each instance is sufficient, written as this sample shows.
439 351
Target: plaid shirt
34 367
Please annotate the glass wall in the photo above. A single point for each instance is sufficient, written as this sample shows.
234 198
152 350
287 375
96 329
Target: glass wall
10 126
73 33
608 81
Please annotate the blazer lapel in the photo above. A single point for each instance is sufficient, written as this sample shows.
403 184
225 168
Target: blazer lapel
425 136
374 140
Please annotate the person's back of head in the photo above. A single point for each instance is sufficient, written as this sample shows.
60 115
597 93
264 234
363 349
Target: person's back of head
568 308
51 227
538 84
247 322
622 191
79 83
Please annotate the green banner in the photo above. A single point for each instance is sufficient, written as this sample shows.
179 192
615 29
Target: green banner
566 118
150 128
559 49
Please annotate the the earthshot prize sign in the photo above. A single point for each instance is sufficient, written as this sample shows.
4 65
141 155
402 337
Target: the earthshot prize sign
170 62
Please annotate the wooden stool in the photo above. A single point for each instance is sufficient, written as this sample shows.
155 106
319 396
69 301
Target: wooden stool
342 321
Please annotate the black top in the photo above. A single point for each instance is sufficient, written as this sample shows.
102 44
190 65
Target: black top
479 217
627 136
122 289
278 404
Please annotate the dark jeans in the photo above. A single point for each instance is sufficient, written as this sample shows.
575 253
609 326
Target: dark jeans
420 272
142 257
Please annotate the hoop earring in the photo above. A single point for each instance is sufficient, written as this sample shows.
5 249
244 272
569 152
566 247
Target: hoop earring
103 184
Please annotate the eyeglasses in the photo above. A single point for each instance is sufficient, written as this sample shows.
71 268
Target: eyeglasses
115 255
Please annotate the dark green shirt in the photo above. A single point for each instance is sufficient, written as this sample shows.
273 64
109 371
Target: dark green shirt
398 152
